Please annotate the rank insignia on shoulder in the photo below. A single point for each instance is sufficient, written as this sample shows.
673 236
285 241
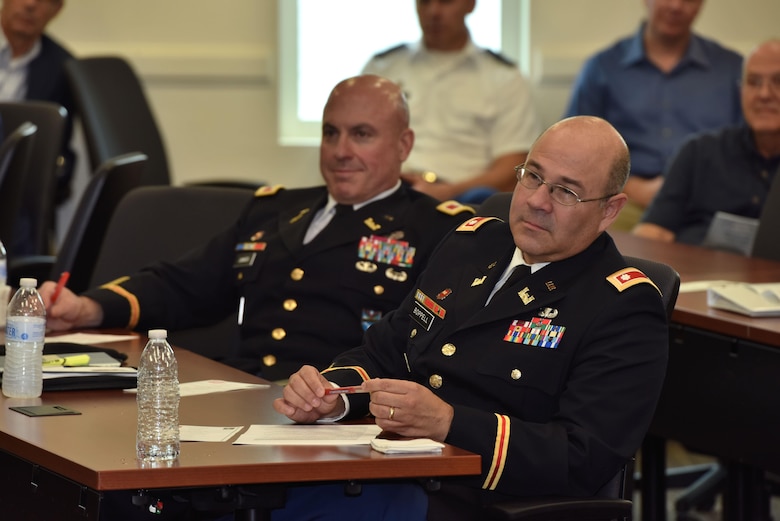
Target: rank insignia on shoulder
265 191
628 277
474 223
454 208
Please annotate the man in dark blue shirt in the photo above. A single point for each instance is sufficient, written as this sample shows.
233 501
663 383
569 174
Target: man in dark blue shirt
657 87
730 170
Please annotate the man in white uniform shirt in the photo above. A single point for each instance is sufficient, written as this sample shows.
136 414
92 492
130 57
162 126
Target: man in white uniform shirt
470 107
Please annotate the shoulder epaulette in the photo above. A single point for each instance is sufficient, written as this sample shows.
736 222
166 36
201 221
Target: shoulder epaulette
627 277
389 51
500 57
454 208
264 191
474 223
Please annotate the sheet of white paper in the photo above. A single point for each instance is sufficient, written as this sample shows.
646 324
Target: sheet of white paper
702 285
320 434
69 372
211 386
206 433
89 338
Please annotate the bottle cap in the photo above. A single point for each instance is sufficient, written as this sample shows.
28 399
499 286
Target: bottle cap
158 333
28 282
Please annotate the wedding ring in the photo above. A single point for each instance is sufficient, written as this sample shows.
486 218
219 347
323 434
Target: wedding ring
392 413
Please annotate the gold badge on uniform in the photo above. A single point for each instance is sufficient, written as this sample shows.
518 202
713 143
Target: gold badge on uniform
366 266
548 313
298 217
257 236
372 224
478 281
396 275
525 296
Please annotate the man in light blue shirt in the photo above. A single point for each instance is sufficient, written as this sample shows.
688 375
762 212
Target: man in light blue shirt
657 87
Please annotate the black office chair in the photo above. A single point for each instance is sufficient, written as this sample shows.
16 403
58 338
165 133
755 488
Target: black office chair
79 250
36 219
15 153
765 243
155 223
613 500
115 114
117 118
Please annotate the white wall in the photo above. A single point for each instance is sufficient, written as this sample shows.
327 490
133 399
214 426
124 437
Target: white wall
210 68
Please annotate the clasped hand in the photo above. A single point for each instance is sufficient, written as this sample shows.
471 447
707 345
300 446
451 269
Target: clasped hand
400 406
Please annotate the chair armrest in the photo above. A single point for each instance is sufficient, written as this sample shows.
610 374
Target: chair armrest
36 266
227 183
561 509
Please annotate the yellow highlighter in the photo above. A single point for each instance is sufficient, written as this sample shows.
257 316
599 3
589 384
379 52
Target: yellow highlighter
67 361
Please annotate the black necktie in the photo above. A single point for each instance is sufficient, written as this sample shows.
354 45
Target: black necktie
520 271
342 212
344 209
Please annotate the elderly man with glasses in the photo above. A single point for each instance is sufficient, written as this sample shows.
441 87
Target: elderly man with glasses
730 170
552 376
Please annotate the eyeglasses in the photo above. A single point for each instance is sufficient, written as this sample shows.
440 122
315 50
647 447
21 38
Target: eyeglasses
755 82
559 193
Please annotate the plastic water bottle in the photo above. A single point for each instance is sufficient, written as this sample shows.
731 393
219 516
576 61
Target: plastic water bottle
4 289
24 335
3 265
157 436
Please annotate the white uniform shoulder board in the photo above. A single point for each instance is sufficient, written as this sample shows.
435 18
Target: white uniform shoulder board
264 191
454 208
627 277
474 223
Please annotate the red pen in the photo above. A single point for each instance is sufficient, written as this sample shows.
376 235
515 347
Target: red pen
60 284
352 389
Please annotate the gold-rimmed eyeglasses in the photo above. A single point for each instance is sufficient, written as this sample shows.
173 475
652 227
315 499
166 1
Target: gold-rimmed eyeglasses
559 193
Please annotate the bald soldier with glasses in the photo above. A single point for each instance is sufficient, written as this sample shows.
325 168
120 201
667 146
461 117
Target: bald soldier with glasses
552 378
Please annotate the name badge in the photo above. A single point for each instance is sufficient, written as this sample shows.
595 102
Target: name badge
245 259
422 316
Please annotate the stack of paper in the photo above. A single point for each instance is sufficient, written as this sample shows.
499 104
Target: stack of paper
406 446
755 300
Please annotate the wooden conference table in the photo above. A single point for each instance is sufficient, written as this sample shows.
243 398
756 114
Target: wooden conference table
722 390
55 468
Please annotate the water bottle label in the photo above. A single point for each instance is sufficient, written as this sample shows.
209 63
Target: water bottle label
25 329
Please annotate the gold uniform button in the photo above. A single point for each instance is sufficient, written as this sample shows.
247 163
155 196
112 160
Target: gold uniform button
278 333
448 349
379 289
240 276
290 304
413 333
269 360
296 274
435 381
516 374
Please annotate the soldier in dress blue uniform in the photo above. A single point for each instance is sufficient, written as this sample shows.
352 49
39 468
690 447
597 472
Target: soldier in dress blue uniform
551 373
308 269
